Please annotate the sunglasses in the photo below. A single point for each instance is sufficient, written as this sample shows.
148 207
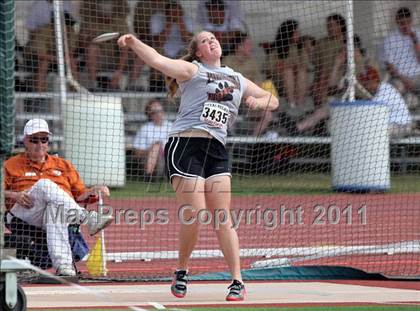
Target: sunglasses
35 140
156 111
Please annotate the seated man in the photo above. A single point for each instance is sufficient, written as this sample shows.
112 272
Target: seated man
43 191
327 51
400 121
151 139
402 53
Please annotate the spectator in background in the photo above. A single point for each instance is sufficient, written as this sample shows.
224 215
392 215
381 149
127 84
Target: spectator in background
168 30
292 63
243 60
39 186
97 17
143 13
309 44
151 139
224 18
41 45
326 53
401 53
337 86
337 83
173 29
400 122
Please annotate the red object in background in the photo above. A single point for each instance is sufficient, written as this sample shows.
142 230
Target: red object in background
218 35
267 46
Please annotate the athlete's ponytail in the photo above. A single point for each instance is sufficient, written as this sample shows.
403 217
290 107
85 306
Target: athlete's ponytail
171 83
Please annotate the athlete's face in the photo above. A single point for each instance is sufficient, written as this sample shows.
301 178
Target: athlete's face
208 47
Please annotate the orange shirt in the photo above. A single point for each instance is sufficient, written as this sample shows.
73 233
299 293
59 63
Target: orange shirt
21 174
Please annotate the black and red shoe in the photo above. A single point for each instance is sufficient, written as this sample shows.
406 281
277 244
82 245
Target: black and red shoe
179 284
236 291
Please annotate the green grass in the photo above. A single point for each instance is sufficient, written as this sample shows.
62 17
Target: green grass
322 308
303 184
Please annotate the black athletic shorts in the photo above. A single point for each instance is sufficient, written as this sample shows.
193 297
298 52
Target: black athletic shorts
193 157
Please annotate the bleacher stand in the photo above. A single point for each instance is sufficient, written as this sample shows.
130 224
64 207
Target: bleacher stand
232 17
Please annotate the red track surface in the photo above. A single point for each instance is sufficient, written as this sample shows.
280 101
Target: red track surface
373 219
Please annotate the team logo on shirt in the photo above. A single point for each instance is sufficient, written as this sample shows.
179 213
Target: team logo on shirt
224 88
222 93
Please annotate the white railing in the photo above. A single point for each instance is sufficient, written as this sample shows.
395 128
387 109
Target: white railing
140 117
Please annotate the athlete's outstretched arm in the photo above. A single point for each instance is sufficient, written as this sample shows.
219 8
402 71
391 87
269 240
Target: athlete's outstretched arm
176 68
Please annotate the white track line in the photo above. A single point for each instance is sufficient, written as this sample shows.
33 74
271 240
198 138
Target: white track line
157 306
321 251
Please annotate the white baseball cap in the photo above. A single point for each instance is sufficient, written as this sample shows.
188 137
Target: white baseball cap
36 126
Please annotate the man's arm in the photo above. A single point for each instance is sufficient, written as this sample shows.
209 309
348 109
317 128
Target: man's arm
392 70
186 31
140 143
11 196
80 192
91 194
22 198
414 38
408 83
116 77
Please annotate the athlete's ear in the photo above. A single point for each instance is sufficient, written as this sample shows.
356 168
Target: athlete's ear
198 54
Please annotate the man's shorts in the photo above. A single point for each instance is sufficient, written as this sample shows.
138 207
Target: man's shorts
192 157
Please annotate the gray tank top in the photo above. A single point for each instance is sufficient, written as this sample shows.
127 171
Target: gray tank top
210 101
